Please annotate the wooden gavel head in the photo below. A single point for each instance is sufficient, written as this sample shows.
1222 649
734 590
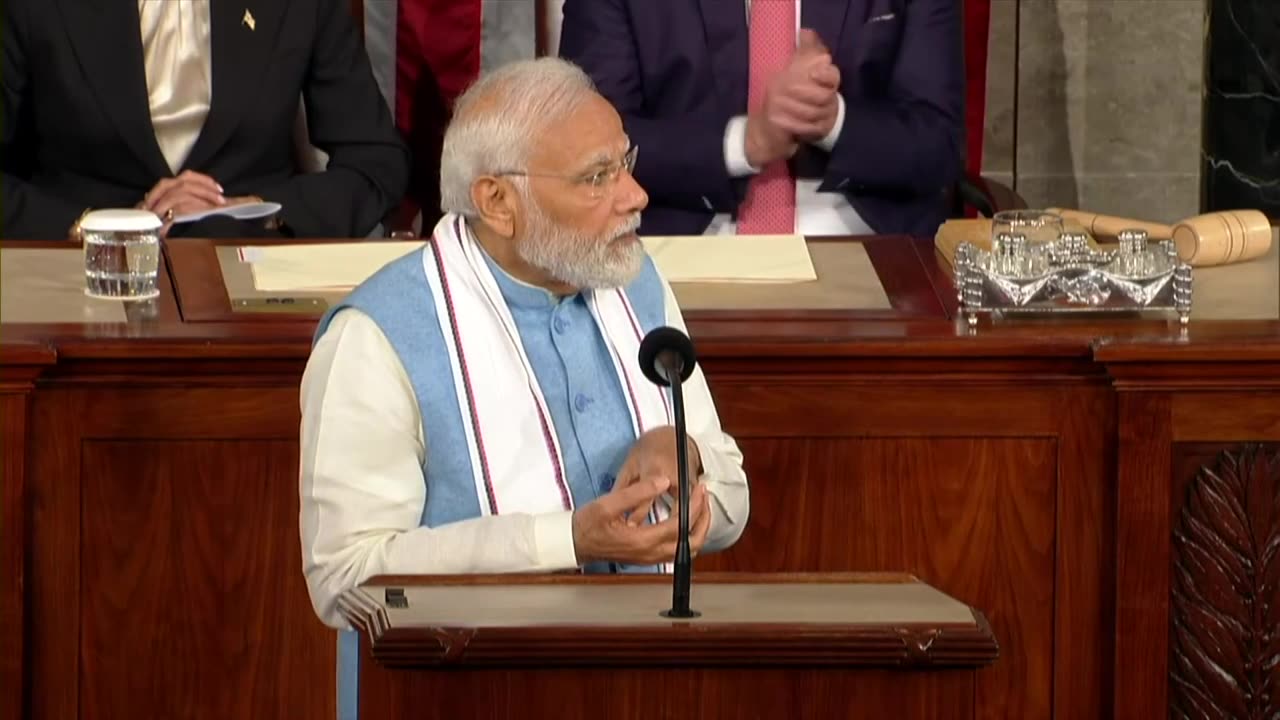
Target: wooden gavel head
1219 238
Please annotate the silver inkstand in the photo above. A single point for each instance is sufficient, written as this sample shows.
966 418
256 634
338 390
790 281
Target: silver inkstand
1067 275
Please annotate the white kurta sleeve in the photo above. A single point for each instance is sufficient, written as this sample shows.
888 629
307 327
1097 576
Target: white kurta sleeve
723 473
362 489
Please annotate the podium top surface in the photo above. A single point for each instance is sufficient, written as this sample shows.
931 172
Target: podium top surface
881 620
885 601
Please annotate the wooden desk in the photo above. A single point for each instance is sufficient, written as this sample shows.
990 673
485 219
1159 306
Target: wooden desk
20 365
1037 471
901 274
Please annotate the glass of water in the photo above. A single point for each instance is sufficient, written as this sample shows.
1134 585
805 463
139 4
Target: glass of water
121 254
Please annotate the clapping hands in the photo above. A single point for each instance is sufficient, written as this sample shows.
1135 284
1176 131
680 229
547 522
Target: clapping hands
801 104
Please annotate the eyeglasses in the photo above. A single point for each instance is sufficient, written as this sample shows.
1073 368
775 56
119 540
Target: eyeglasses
595 183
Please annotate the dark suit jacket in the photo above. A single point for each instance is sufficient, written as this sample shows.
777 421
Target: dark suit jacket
677 72
77 125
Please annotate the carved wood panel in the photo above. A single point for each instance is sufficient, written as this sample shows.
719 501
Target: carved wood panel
192 599
21 364
13 502
1225 590
973 517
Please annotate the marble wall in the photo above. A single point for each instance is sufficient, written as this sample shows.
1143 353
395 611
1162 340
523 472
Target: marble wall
1241 160
1096 104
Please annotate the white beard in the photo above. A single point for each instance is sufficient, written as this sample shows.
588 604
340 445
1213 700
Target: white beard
585 262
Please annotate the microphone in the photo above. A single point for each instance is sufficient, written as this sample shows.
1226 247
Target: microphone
667 358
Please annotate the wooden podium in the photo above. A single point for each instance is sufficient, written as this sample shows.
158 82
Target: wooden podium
576 646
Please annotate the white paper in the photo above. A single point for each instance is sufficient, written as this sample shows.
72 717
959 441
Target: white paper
329 266
695 258
245 211
732 258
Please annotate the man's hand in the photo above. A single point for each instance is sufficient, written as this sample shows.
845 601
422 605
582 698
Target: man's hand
189 192
766 143
826 76
801 104
653 457
603 530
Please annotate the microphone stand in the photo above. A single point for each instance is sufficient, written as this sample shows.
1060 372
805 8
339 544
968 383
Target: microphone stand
680 587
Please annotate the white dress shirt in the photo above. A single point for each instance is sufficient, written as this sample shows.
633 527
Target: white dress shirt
363 492
817 213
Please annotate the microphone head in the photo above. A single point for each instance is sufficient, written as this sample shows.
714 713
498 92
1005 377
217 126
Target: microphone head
662 347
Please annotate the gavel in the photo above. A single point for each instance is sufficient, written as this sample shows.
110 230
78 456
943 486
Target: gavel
1215 238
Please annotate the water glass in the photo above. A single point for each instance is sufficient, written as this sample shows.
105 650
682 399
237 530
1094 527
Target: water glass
121 254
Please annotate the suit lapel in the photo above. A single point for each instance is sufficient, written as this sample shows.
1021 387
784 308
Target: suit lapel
725 25
107 40
241 46
827 17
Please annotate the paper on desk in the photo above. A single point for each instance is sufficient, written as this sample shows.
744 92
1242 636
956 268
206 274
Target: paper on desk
699 258
732 258
320 267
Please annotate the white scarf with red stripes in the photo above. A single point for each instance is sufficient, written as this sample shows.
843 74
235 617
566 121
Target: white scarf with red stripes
515 454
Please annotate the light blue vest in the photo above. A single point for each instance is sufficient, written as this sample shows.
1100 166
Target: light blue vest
574 369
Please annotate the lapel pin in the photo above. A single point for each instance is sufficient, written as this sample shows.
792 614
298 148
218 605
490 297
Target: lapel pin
248 20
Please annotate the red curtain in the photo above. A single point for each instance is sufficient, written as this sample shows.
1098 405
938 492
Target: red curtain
977 26
437 57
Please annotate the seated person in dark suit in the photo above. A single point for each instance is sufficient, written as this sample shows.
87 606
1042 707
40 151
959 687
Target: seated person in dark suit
748 124
179 107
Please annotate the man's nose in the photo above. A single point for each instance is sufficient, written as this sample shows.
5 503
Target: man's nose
630 197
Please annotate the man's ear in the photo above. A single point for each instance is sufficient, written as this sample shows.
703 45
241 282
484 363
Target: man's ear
496 202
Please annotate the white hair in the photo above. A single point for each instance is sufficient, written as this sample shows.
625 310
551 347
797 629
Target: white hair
497 120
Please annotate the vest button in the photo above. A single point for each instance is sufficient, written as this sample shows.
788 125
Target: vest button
560 324
581 402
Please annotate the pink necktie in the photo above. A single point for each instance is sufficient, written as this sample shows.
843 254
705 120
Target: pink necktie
770 205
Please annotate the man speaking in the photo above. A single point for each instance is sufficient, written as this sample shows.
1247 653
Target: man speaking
477 406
